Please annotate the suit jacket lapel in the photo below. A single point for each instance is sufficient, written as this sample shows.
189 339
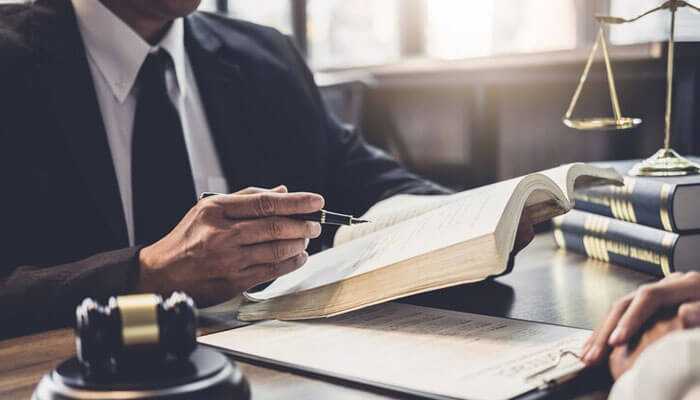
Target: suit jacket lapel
228 104
74 104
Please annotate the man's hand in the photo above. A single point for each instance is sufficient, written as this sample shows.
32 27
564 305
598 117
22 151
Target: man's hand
230 243
629 313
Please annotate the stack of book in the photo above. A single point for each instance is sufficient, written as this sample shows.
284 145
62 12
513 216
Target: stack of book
649 224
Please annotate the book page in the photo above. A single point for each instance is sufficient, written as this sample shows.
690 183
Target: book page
402 207
580 175
448 353
475 215
392 211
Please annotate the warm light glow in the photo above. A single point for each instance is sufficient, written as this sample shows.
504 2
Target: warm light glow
356 32
655 27
459 29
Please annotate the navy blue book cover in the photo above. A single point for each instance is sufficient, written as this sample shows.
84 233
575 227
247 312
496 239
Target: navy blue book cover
635 246
642 200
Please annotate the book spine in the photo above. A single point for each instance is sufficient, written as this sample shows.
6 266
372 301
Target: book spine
637 247
640 201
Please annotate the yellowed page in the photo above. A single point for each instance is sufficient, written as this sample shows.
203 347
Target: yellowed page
402 207
390 212
448 353
475 215
419 228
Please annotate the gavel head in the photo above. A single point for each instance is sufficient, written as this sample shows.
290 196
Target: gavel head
143 327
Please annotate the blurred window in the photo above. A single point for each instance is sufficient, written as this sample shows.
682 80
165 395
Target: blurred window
274 13
352 32
655 27
462 29
355 33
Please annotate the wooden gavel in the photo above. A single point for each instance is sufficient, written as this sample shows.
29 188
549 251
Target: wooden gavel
141 328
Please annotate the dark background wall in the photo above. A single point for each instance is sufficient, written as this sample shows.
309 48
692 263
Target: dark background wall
470 126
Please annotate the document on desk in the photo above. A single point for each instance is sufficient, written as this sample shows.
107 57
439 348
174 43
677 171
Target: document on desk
426 351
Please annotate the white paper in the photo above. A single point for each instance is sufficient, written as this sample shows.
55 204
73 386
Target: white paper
448 353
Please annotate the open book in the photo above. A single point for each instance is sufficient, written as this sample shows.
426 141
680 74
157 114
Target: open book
421 243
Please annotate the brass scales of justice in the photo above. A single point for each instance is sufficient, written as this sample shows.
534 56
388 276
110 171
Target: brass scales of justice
666 161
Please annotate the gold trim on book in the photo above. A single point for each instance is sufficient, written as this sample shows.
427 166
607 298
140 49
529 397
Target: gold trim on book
587 247
630 183
600 249
665 266
596 224
605 251
623 209
559 238
630 212
596 248
558 221
664 207
615 208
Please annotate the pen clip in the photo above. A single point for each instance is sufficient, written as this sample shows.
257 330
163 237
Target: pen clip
204 195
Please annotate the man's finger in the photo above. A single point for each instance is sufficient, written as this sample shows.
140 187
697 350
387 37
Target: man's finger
267 204
254 189
262 273
690 315
276 228
596 348
650 298
273 252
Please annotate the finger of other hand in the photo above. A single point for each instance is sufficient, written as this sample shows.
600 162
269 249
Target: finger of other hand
649 298
267 204
276 228
596 346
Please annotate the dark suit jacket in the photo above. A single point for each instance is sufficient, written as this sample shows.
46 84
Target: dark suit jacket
63 230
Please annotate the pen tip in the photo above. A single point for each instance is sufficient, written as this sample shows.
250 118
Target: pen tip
360 221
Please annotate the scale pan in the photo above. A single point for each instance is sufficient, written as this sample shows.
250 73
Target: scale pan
602 124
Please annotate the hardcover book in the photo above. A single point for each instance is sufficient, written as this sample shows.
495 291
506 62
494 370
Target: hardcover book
421 243
668 203
639 247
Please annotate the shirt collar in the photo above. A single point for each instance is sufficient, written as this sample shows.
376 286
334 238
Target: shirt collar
119 52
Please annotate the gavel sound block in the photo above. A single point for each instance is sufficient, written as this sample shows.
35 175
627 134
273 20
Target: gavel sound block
141 347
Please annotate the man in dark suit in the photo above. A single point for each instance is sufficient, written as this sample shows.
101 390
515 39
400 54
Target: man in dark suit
115 114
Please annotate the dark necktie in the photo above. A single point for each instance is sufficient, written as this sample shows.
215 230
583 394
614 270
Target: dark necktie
162 184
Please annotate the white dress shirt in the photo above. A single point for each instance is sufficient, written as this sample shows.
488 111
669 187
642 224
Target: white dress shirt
668 369
115 54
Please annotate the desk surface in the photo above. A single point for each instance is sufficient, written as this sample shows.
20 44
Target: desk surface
546 285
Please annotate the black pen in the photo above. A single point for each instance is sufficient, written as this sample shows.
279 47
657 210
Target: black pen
322 216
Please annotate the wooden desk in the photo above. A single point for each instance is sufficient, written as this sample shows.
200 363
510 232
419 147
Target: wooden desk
546 285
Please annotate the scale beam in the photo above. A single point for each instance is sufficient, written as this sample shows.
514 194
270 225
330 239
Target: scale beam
665 162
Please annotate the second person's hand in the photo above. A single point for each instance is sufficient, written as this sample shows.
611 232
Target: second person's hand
629 314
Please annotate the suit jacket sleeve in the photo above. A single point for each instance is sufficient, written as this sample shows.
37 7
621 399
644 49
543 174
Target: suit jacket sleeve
38 297
44 297
358 175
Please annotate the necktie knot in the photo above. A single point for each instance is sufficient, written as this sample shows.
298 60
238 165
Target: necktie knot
154 67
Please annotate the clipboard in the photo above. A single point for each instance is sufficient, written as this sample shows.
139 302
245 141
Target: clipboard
558 386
